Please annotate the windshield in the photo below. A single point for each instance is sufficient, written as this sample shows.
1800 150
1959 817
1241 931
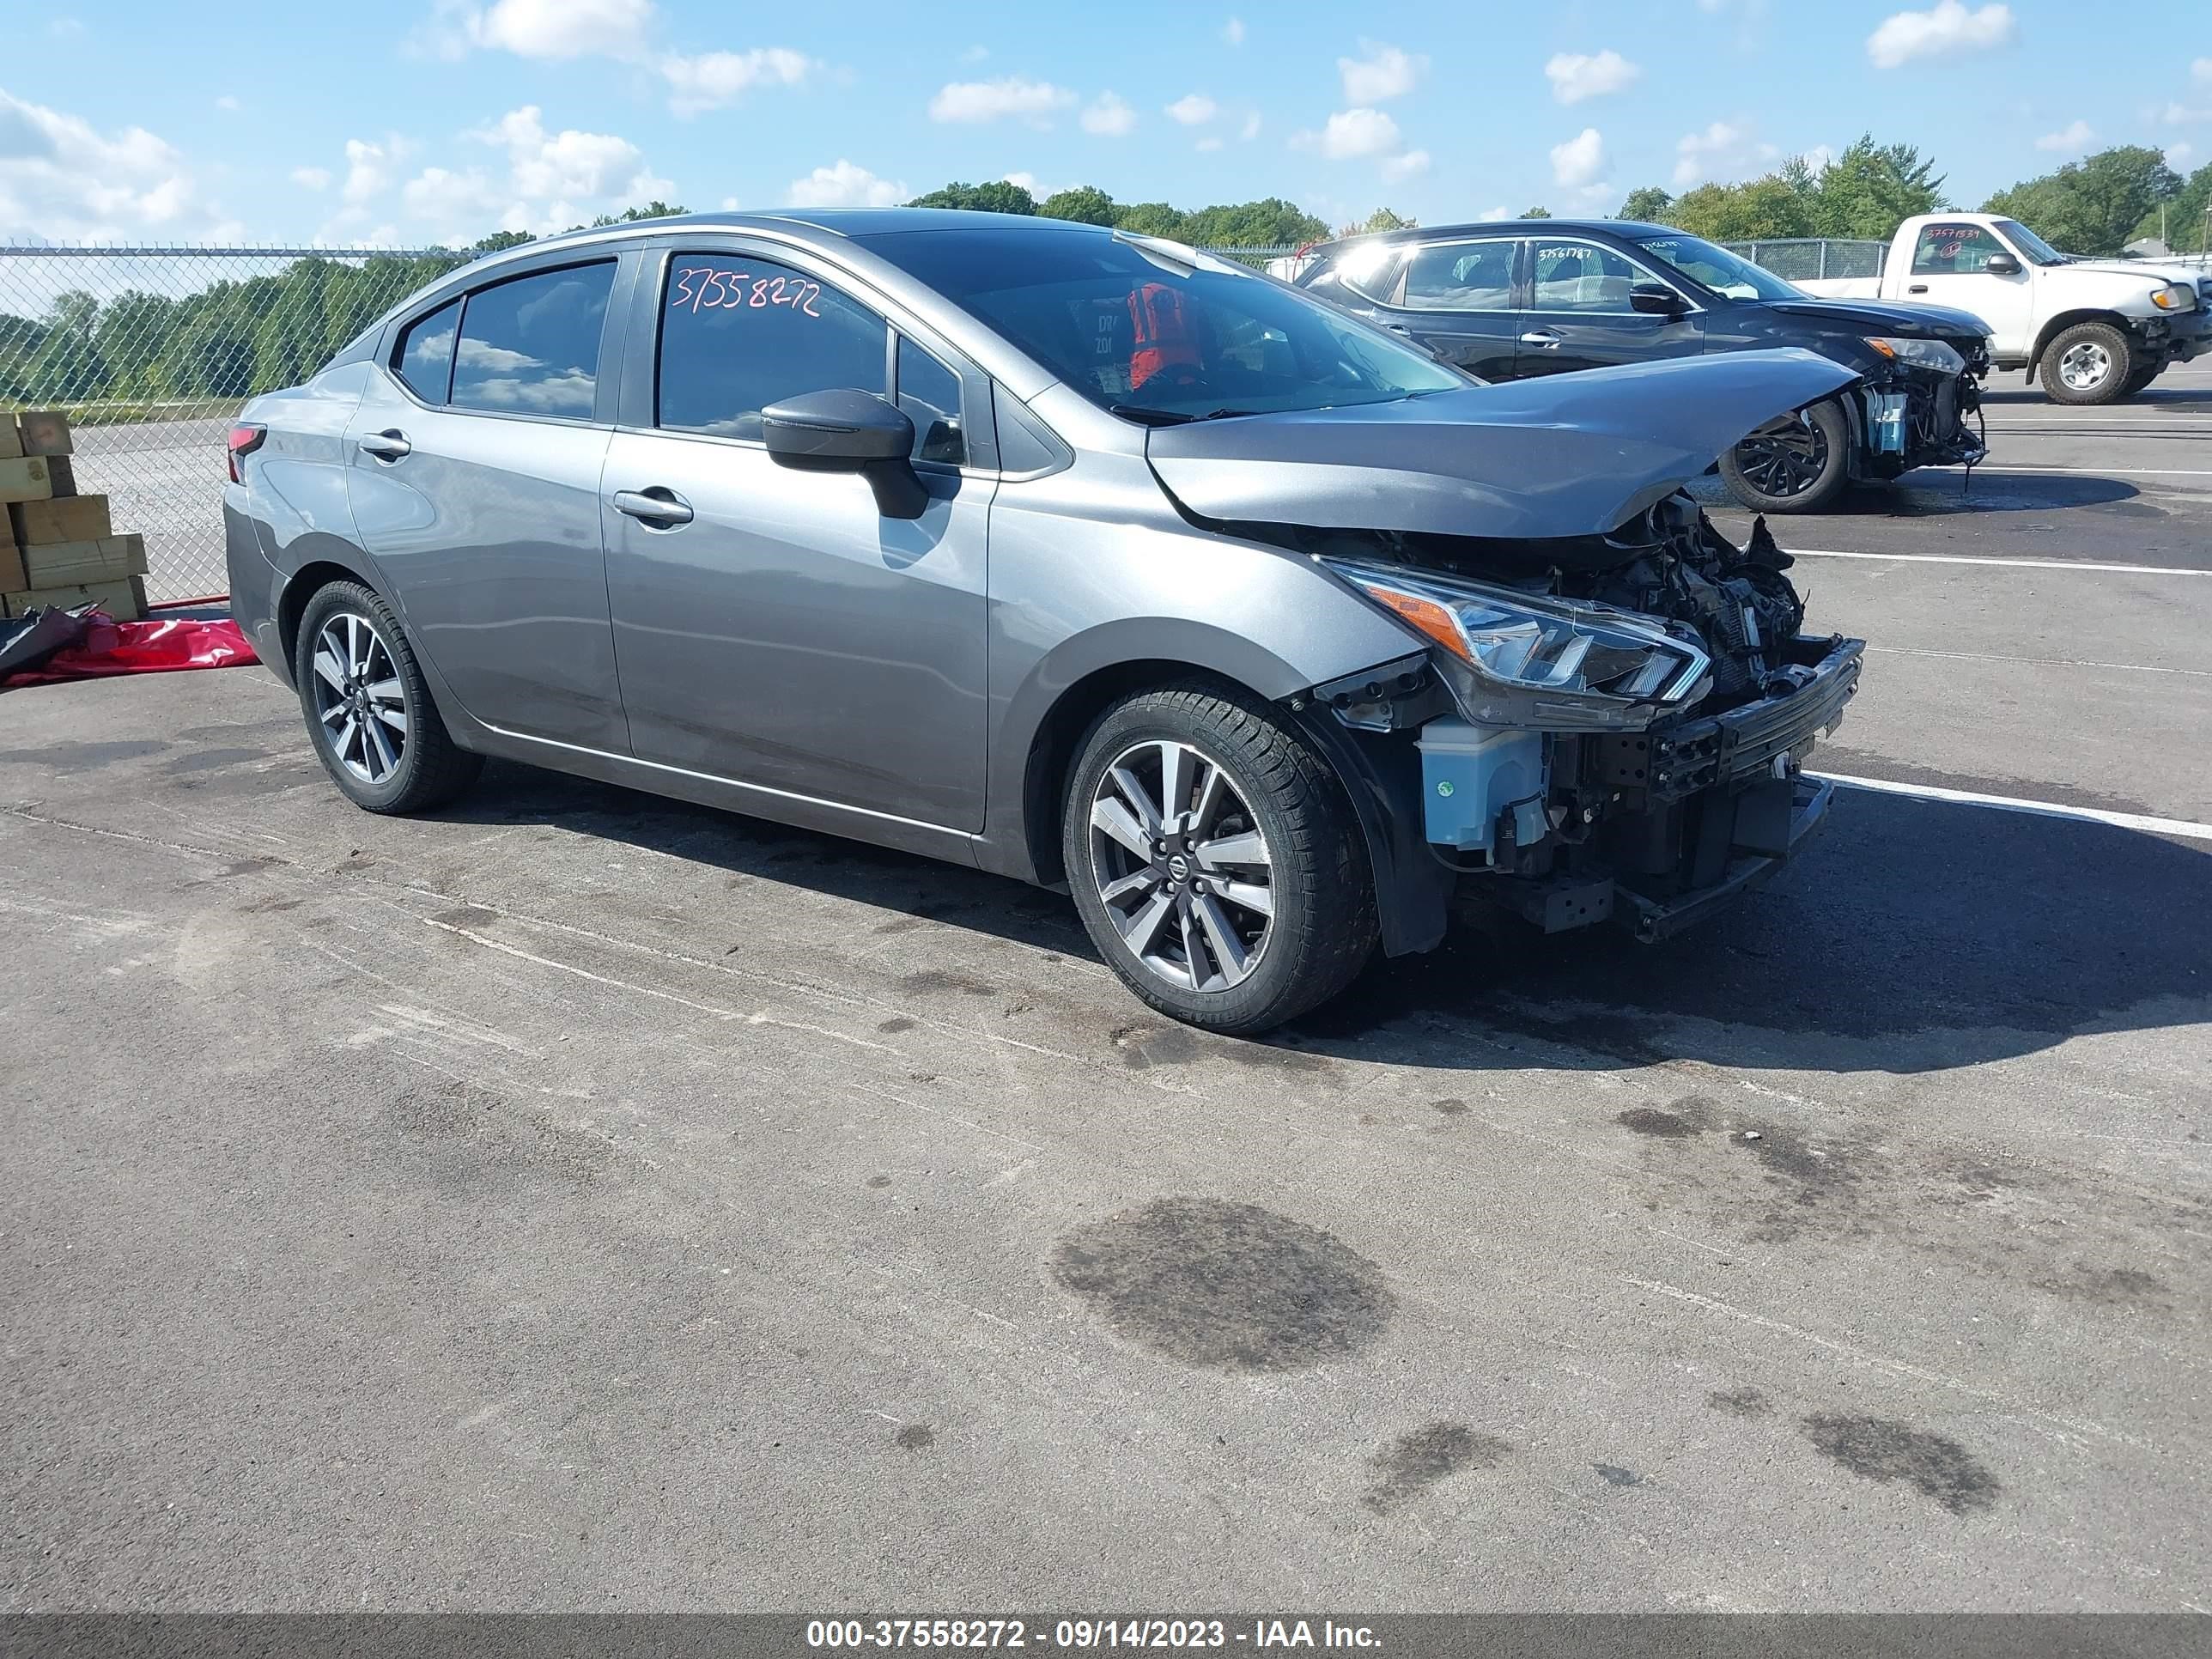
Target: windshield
1141 330
1717 268
2033 247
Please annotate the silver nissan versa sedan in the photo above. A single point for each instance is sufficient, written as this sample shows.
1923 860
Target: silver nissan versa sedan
1076 556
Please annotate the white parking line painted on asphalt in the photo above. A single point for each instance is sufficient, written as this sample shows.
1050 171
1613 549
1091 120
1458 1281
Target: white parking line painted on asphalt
2105 471
2188 828
2037 662
2027 564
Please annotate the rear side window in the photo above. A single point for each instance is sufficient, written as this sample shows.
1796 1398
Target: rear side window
738 334
425 357
531 346
1953 250
1462 276
929 392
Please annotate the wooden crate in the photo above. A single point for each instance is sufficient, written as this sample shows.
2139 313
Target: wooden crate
12 574
44 432
123 600
11 442
25 478
61 472
63 518
63 564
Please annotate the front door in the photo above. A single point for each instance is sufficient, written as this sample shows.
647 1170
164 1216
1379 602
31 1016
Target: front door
1950 267
774 627
1579 315
1458 299
474 480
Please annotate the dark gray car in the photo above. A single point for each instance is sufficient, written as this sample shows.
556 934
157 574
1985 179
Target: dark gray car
1079 556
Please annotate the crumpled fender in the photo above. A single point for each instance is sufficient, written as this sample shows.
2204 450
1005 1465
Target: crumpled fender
1561 455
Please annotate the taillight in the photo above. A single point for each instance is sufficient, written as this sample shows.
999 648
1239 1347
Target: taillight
245 437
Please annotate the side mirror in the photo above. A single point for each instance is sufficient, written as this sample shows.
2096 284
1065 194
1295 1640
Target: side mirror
1657 299
2002 264
849 431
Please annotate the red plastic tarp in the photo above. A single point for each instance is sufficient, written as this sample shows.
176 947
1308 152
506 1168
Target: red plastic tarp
159 645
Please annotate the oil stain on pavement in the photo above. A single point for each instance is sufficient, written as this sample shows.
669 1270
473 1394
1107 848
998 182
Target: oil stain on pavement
1888 1451
1225 1285
1414 1462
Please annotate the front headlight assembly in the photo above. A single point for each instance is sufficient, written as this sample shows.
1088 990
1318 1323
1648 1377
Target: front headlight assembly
2174 296
1537 663
1920 354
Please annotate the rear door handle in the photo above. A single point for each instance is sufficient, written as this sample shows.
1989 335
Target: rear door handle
659 506
386 446
1539 337
1917 288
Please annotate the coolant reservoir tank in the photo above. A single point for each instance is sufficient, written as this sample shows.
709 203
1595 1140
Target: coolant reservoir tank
1471 773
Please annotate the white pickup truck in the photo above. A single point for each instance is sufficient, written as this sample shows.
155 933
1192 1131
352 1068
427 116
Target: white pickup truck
2098 330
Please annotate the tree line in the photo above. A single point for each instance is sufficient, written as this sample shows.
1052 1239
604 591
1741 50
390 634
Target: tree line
1272 222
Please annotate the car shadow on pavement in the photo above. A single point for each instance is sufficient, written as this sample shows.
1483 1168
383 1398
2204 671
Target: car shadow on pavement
1911 936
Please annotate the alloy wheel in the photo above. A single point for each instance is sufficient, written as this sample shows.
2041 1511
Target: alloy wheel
1785 462
1182 866
2084 366
361 702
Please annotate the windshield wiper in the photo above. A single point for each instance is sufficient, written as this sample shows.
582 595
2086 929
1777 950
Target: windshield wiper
1172 416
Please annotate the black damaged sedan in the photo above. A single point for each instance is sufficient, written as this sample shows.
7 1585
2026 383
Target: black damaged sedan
1510 300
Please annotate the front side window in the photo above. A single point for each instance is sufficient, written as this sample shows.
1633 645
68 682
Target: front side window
1582 276
1460 277
425 357
530 346
738 334
929 392
1951 249
1730 274
1161 333
2038 251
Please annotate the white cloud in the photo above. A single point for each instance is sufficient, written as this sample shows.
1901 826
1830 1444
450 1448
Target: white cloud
729 205
1108 117
227 104
1193 109
1025 180
1233 31
1579 161
1207 145
844 185
368 169
2181 115
1350 133
568 164
550 180
1723 149
312 178
560 28
2177 156
713 79
1383 74
1949 27
2200 70
61 178
2070 139
990 100
1575 77
1250 129
1412 162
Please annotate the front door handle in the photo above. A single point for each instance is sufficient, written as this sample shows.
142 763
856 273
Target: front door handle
1917 288
390 445
1539 337
659 507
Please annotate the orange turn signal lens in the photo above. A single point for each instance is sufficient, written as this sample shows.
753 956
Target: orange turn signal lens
1423 615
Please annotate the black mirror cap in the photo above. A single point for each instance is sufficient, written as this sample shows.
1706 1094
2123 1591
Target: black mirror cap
1657 298
839 431
2002 264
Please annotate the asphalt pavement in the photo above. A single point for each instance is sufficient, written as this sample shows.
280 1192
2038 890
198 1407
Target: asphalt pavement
573 1199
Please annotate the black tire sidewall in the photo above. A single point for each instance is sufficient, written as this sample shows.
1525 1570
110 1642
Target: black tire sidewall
353 599
1835 426
2112 389
1277 989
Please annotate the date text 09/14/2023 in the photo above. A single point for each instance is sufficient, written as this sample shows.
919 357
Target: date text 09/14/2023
1085 1634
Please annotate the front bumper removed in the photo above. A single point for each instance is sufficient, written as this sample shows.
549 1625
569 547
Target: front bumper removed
1772 822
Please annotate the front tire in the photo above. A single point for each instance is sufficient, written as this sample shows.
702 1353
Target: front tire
1795 466
2140 380
2089 363
1215 859
368 708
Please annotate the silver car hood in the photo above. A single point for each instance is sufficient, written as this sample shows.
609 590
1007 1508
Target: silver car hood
1562 455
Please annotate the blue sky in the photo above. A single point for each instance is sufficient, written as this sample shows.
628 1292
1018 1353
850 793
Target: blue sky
445 119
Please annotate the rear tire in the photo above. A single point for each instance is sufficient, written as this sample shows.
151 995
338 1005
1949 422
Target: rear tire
1801 469
2088 364
368 708
1262 905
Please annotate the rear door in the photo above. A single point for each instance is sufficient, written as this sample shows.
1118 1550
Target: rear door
1461 300
774 627
1950 267
1579 315
474 479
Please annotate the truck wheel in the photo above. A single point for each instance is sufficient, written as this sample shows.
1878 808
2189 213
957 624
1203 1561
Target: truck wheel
2140 378
1215 859
1794 466
2088 363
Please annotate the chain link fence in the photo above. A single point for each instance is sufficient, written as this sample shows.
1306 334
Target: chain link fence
151 350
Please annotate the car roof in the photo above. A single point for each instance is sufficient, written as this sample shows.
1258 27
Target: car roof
1493 226
818 226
